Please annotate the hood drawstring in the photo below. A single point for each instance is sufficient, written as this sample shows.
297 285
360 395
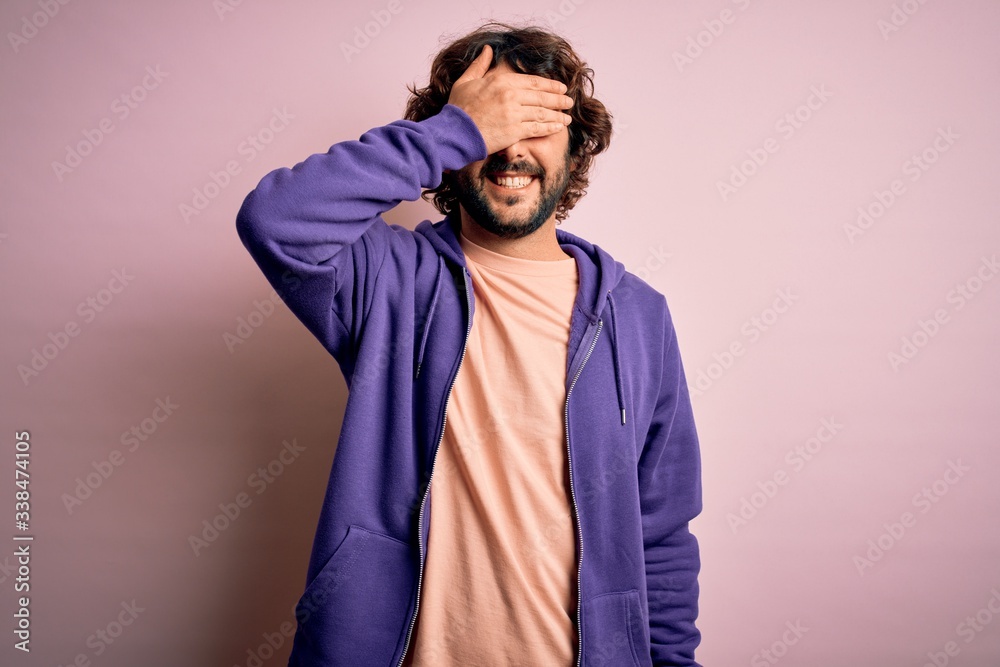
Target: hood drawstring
614 349
430 316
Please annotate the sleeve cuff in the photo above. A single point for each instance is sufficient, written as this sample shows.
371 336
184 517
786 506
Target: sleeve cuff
458 137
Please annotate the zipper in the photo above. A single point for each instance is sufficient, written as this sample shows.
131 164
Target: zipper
444 420
579 602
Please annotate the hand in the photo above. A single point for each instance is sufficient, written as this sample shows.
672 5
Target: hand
509 106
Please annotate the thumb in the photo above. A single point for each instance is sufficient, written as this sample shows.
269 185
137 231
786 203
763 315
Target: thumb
478 67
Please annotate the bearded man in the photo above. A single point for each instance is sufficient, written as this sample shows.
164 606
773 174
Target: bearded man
510 370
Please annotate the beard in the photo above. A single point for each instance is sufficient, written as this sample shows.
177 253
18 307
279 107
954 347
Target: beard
510 215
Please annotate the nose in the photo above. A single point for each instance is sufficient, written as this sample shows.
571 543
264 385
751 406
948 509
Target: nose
513 153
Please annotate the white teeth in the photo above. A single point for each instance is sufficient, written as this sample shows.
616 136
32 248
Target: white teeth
512 182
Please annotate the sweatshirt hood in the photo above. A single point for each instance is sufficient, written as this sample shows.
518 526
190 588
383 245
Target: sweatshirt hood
599 274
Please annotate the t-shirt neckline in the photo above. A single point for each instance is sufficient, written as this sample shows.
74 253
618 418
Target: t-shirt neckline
519 265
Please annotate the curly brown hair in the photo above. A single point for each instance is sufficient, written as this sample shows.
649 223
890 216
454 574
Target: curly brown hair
528 50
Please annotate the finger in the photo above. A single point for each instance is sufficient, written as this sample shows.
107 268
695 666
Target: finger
478 67
533 128
543 115
539 98
537 129
533 82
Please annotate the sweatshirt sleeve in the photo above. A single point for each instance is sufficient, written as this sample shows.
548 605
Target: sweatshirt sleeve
316 231
670 497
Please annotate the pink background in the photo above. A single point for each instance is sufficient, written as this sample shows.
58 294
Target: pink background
681 129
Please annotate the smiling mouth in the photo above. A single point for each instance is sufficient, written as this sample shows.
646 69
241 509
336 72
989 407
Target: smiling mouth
508 182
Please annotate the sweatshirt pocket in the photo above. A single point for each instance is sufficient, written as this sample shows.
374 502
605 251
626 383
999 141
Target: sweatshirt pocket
354 610
613 630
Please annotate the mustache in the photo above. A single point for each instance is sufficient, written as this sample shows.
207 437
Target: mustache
503 167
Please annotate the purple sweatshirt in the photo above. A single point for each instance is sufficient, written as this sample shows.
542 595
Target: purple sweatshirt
394 308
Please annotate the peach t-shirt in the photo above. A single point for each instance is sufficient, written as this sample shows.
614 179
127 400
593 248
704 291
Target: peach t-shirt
499 584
